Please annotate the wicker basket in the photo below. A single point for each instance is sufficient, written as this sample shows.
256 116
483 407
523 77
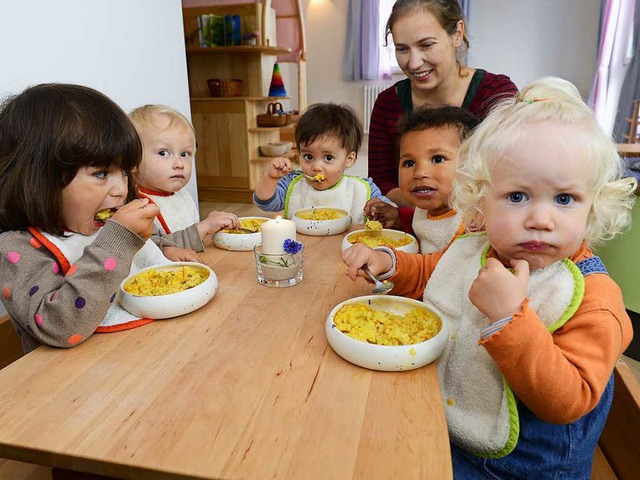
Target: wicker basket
225 88
293 117
271 118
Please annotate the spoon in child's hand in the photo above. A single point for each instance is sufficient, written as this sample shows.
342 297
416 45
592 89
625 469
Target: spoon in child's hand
316 178
381 288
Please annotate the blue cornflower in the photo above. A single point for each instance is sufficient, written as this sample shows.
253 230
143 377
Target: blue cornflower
291 246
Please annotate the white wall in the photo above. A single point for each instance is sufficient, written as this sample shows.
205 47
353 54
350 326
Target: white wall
131 50
531 39
520 38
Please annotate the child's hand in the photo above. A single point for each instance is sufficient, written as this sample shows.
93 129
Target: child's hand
279 167
176 254
137 216
217 221
387 215
358 255
497 292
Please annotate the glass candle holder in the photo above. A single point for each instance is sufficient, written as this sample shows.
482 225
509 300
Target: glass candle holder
279 269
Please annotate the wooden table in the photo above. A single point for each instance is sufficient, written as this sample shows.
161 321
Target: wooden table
628 149
246 387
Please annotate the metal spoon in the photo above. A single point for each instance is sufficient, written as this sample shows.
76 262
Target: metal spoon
316 178
381 288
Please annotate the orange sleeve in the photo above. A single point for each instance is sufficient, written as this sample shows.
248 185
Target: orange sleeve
561 376
413 271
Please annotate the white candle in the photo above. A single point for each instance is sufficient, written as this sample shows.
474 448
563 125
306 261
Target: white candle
275 232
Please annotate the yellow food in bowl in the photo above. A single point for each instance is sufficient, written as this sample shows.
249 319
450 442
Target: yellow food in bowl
253 224
369 325
379 240
321 214
154 282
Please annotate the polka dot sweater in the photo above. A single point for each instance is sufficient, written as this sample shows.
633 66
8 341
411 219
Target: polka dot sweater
62 310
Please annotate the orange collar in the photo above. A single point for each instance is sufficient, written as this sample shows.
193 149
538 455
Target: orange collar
148 191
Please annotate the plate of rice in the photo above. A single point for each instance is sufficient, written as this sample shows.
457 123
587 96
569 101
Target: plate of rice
241 240
386 333
321 221
384 237
168 290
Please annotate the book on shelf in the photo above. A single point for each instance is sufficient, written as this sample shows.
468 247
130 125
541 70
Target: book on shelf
219 30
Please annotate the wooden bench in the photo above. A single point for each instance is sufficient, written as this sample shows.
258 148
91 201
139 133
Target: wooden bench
618 453
10 345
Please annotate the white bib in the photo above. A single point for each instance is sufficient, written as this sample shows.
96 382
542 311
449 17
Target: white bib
434 234
350 194
179 211
480 407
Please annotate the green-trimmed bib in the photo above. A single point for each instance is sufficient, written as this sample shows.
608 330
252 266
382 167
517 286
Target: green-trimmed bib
480 407
350 194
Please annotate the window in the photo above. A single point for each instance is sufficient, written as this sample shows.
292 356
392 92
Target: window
387 64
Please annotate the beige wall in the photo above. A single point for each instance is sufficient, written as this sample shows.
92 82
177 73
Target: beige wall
523 39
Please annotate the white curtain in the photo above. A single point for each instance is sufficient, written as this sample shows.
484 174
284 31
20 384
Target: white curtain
614 54
361 47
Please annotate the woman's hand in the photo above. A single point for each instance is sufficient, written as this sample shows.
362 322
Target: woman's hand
358 255
497 292
137 216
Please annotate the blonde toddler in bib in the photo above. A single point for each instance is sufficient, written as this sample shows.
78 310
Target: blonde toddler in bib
329 137
169 146
536 323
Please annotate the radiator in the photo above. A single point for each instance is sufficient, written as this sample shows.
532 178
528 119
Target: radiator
370 94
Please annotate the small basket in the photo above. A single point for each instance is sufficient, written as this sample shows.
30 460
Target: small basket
225 88
271 118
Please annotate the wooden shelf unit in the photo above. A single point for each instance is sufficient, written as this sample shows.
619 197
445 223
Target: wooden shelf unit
228 162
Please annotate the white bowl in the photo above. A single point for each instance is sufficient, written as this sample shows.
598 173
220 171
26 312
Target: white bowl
322 227
238 241
275 149
173 304
384 357
412 247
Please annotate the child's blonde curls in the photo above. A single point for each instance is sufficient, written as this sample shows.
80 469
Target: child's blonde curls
146 115
552 99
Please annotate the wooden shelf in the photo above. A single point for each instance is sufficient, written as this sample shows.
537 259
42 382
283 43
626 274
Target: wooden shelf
266 129
270 50
229 163
230 99
291 154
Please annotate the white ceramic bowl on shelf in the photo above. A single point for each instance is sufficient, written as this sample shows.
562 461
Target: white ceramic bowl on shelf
227 240
172 304
385 357
383 237
275 149
320 227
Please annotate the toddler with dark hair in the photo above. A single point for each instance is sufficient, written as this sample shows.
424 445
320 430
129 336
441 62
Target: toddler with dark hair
329 137
428 153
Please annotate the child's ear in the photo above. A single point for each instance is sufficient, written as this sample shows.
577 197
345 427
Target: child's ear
351 159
